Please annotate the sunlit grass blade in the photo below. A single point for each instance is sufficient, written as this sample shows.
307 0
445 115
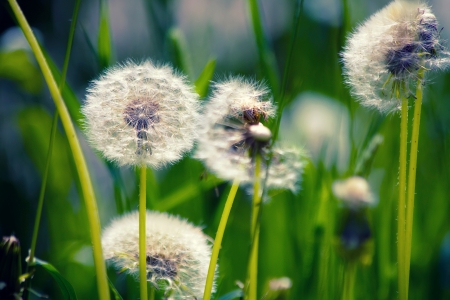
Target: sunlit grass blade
203 80
266 55
180 51
104 37
80 163
280 97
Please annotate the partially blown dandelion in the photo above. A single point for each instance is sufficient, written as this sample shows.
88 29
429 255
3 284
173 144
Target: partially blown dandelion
177 253
233 135
141 114
383 56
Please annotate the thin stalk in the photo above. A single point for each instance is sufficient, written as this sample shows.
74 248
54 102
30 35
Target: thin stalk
218 240
401 201
266 55
348 291
40 205
412 175
80 163
142 233
251 288
151 295
287 68
53 133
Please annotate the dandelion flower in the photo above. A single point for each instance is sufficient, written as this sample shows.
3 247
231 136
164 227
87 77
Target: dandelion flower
233 135
178 253
354 192
383 56
141 114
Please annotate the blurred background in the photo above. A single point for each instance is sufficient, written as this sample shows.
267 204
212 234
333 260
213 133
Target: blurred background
298 230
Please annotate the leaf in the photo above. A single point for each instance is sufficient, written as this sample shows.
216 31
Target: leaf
104 37
180 53
64 285
114 291
232 295
202 82
17 66
71 100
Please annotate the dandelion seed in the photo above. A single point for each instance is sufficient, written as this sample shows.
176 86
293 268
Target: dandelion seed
177 258
383 56
141 114
233 135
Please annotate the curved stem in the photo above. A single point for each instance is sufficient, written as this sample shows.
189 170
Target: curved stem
412 175
218 239
80 163
401 201
251 286
142 233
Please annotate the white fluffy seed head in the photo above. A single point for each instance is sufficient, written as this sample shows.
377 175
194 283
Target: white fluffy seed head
383 56
178 253
232 132
141 114
354 192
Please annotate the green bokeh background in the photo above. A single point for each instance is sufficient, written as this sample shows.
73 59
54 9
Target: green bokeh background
297 230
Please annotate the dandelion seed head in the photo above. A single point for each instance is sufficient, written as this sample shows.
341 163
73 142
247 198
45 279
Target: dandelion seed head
383 56
141 114
233 135
354 192
177 255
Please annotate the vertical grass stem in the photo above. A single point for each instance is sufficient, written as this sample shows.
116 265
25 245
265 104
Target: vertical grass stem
401 201
218 239
142 233
412 176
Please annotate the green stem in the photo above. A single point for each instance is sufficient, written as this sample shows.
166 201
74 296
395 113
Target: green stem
251 288
80 163
40 205
142 233
266 56
401 201
412 175
218 239
349 281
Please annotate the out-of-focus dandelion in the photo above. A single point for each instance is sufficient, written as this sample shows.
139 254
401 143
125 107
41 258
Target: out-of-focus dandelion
233 136
354 192
177 253
141 114
383 56
354 241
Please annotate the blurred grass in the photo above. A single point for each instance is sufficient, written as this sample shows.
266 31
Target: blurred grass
297 230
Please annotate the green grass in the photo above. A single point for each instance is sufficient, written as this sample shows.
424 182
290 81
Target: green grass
298 232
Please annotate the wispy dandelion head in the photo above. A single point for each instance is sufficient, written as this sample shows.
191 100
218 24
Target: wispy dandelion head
233 135
354 192
178 253
141 114
383 56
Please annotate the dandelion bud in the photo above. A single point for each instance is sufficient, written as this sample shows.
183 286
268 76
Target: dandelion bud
354 192
383 56
10 268
178 253
141 114
233 135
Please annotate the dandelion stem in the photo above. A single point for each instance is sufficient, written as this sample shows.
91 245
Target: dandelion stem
251 288
349 281
412 175
142 233
218 239
401 201
80 163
